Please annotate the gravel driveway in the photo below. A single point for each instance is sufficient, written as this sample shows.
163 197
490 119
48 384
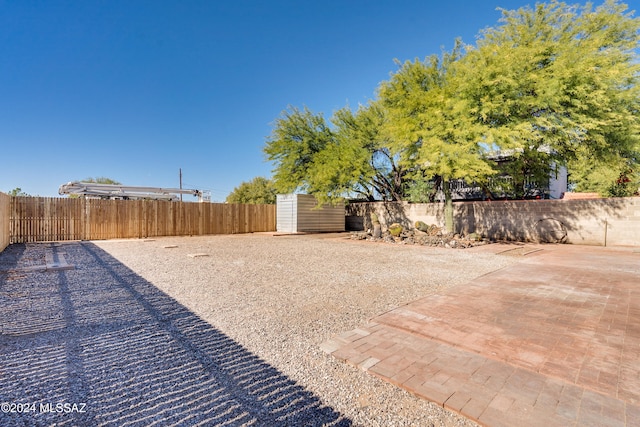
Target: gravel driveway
218 330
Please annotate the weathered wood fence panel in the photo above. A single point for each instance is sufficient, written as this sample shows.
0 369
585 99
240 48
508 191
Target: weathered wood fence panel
5 215
34 219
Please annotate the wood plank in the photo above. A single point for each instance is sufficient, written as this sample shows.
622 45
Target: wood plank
31 219
5 221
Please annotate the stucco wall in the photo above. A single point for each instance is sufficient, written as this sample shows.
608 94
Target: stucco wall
601 222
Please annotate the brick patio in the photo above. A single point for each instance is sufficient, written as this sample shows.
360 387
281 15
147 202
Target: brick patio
551 341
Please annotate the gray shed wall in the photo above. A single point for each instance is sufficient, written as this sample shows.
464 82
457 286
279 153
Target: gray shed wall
297 213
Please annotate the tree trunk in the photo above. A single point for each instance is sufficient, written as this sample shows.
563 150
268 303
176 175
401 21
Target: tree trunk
448 205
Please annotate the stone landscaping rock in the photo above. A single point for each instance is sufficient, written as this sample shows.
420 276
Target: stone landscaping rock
433 236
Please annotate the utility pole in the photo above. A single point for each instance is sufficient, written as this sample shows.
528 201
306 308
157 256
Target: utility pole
181 183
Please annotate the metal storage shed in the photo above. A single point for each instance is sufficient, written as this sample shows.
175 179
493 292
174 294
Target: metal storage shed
297 213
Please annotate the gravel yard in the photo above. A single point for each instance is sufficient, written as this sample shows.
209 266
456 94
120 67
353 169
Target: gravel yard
281 297
268 301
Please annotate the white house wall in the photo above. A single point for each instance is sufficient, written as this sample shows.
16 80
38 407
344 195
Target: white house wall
558 181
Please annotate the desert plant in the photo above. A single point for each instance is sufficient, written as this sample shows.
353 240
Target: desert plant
377 229
395 229
422 226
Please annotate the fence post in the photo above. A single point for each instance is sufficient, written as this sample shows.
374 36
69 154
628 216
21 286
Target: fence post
5 221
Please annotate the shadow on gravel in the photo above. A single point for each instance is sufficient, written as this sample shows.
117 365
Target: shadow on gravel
10 257
99 345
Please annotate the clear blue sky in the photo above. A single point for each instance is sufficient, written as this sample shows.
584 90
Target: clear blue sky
135 90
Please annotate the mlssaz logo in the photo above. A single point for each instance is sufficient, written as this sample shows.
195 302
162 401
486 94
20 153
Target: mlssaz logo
66 408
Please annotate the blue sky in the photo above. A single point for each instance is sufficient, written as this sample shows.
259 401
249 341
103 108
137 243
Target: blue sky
135 90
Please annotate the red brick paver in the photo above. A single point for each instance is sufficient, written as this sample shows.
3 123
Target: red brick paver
551 341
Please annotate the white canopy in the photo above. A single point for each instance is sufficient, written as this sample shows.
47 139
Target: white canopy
114 191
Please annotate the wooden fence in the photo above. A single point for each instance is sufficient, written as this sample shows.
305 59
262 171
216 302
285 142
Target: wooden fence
5 214
36 219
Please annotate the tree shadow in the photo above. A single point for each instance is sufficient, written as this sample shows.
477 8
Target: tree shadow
544 221
396 213
359 215
99 345
18 254
593 222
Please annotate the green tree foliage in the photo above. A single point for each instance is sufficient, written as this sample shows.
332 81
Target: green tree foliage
374 168
297 137
257 191
549 86
347 157
553 85
432 125
558 85
101 180
17 192
609 180
420 190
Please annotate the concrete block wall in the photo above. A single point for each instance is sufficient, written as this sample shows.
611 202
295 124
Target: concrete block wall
624 225
389 212
610 222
